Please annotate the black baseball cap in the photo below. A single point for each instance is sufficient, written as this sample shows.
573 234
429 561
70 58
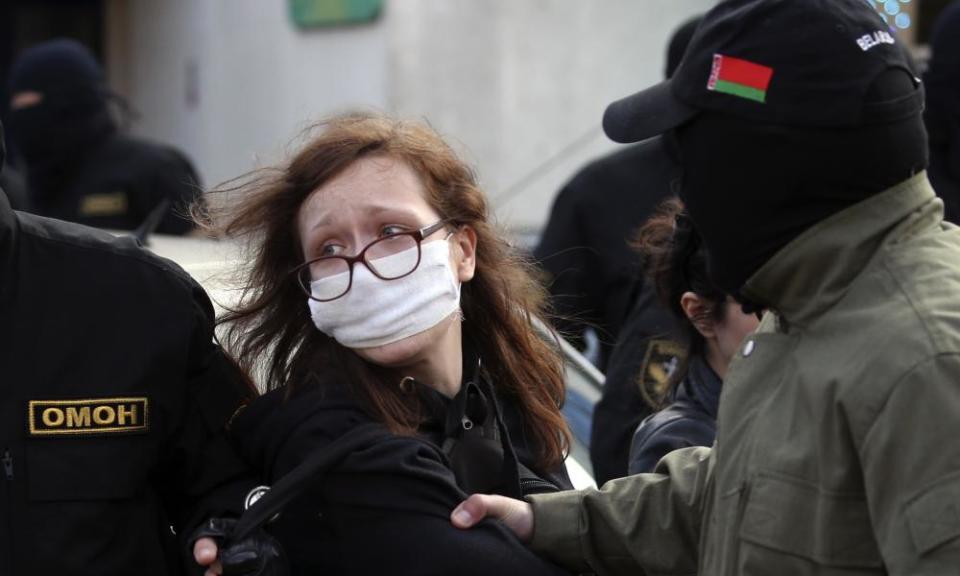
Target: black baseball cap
787 62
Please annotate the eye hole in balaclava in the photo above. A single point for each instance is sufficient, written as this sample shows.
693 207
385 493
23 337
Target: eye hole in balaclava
751 188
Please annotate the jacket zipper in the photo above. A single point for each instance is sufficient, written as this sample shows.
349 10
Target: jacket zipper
6 529
529 484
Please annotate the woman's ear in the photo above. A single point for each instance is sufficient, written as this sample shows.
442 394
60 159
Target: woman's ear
699 311
465 253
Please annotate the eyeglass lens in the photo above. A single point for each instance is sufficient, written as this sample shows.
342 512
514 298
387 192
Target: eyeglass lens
389 258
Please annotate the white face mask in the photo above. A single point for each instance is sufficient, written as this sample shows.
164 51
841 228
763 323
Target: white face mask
376 312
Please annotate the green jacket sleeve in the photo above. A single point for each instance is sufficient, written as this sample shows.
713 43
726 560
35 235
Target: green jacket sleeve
643 524
911 468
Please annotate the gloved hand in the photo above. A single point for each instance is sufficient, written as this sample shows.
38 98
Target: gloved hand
256 555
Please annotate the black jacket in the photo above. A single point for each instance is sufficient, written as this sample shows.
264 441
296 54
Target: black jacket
386 509
113 403
15 187
584 245
116 184
643 357
689 420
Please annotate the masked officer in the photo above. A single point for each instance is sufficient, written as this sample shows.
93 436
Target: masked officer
803 147
594 275
79 166
113 404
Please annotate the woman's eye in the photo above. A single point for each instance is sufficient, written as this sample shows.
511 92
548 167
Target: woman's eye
330 250
391 229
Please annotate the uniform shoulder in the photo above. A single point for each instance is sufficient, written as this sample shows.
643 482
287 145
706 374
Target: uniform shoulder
663 432
676 419
95 247
125 144
143 155
623 158
651 150
636 172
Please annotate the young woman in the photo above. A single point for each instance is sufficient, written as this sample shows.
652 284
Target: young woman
712 326
378 291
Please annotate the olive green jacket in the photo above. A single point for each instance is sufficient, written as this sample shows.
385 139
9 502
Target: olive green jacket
838 441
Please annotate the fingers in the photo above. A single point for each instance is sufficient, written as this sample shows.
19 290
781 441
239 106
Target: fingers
215 570
205 551
470 511
516 514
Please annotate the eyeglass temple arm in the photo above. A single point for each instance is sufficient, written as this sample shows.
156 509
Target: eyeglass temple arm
424 232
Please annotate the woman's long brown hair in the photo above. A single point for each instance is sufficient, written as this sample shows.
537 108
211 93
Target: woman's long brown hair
271 328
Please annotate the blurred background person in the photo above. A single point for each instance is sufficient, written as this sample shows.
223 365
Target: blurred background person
711 325
942 114
593 268
79 166
592 273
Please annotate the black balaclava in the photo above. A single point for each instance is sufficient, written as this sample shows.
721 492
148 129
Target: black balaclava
73 114
751 188
942 115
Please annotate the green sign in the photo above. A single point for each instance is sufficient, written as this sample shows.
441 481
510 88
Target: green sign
315 13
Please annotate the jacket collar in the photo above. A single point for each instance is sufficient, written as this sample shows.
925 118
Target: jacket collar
814 271
701 386
8 246
473 401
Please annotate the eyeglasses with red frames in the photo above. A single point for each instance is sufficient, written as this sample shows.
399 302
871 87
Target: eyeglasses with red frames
389 258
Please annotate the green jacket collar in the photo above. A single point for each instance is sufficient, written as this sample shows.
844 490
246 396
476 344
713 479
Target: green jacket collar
814 270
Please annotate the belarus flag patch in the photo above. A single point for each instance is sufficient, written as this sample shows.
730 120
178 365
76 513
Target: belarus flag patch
739 78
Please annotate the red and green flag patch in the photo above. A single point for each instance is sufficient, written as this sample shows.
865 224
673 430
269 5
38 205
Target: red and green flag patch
739 78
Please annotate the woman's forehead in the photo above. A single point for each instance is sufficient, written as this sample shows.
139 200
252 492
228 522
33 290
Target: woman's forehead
371 187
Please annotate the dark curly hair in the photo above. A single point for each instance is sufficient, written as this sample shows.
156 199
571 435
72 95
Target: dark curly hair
675 261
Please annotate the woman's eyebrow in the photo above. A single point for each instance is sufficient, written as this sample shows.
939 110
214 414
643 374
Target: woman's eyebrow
375 210
392 210
321 223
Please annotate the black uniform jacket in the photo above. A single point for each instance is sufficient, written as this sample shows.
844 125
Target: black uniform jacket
385 509
120 181
689 420
15 186
113 405
585 248
643 357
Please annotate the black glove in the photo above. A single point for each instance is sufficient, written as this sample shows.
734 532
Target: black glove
256 555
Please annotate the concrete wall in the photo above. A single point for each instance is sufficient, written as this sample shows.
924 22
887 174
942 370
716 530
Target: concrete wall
520 86
523 82
233 81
